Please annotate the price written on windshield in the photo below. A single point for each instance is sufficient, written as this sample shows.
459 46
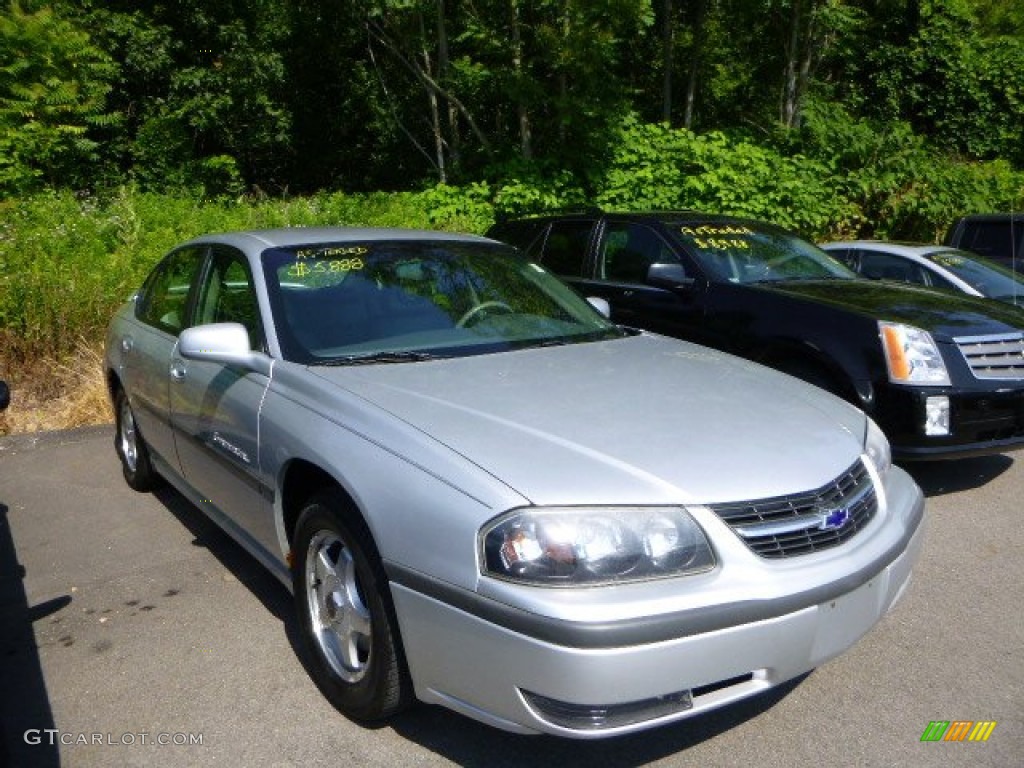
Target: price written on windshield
324 267
719 238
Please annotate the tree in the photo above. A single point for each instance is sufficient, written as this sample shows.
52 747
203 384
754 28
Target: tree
53 87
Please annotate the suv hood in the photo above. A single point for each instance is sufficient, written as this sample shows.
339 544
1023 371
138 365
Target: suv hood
944 315
638 420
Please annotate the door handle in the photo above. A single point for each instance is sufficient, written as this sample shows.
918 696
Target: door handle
178 371
127 343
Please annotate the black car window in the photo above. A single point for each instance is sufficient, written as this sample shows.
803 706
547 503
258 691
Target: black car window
163 301
994 239
629 250
227 295
845 255
524 235
565 249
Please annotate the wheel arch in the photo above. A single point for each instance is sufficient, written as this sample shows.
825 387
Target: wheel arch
810 363
300 481
113 382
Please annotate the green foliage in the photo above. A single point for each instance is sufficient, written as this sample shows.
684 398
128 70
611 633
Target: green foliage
53 85
466 208
67 261
894 184
657 167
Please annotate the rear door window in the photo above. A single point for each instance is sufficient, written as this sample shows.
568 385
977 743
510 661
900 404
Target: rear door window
565 249
883 266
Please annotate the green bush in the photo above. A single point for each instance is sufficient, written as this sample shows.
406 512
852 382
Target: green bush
658 167
67 262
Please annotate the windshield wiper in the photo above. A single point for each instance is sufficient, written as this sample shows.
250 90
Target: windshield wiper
373 358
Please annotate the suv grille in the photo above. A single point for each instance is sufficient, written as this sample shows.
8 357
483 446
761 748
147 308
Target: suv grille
994 357
787 526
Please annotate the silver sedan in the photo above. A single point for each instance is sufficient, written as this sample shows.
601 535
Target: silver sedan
937 266
485 495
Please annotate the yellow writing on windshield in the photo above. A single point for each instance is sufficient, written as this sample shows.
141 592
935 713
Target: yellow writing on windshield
328 253
301 269
720 244
709 230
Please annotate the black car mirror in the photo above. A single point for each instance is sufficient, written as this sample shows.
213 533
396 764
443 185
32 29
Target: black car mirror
668 276
5 395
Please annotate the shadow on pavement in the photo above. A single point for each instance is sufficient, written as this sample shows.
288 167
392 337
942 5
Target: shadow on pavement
232 556
243 566
24 701
938 478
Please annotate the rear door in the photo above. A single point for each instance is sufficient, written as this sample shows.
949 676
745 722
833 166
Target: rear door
162 310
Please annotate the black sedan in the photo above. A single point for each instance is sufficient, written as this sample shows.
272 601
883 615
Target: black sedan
942 374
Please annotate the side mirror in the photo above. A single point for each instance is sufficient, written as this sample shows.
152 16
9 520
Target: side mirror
5 395
668 276
601 305
224 343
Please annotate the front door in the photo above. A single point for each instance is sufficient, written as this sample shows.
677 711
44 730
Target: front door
215 408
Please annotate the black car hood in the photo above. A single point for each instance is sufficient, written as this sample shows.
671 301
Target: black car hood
944 315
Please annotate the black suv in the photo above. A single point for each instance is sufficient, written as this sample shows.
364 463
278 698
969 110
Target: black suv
999 236
942 373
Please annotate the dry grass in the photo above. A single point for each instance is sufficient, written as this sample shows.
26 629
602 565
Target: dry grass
57 394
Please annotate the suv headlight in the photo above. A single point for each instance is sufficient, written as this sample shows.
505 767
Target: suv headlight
876 446
566 546
912 356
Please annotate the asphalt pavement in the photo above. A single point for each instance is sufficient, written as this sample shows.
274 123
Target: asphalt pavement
134 632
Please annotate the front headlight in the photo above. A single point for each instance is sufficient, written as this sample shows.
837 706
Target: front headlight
566 546
912 356
876 446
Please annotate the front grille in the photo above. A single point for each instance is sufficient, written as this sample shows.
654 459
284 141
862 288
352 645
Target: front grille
798 524
994 357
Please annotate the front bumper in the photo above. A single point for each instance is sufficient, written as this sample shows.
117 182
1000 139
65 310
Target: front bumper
981 422
523 674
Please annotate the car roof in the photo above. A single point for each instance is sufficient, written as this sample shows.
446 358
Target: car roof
288 236
895 247
993 217
658 217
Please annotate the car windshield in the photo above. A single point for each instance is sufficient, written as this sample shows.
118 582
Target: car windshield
398 301
987 277
747 253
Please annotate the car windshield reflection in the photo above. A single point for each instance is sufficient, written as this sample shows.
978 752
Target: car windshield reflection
743 253
395 301
987 277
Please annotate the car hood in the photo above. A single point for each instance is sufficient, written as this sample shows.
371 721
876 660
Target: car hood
945 315
638 420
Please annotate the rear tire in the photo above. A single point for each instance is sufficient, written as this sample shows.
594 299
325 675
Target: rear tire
348 622
131 448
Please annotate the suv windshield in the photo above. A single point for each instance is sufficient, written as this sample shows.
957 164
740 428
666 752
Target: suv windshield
398 301
747 253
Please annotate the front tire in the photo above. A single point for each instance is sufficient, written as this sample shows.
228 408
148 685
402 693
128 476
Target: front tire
348 622
131 448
